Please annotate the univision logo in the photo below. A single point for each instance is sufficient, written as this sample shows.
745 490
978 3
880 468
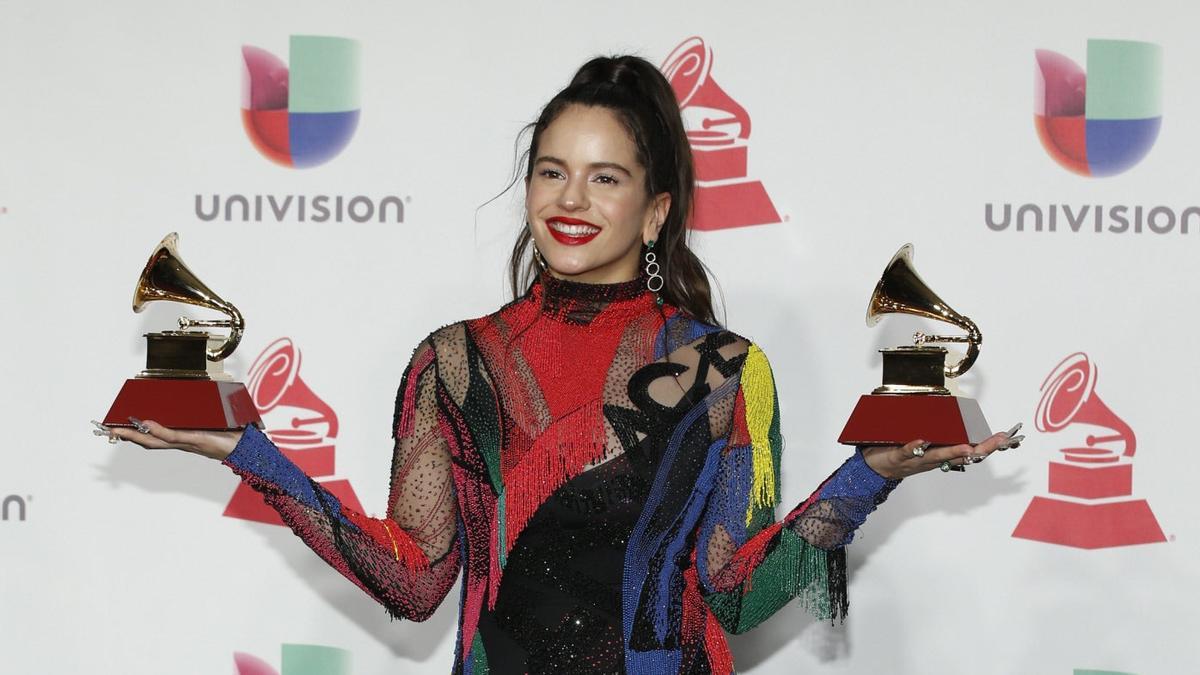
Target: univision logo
1103 121
303 116
1100 122
13 507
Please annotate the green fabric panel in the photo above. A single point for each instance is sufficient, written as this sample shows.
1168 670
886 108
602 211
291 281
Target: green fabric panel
792 569
479 663
776 437
322 74
1124 80
315 660
480 412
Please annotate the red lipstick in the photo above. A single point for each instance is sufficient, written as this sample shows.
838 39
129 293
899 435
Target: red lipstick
575 233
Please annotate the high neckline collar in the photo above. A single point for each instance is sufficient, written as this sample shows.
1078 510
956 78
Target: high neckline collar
579 302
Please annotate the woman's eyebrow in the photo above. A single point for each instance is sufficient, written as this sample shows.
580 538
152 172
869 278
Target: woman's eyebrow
594 165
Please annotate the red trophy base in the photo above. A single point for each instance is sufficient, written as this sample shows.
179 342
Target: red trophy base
184 404
1089 526
892 419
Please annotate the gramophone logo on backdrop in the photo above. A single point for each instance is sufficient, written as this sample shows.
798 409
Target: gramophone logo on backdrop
298 422
1090 503
306 116
297 660
1104 121
718 130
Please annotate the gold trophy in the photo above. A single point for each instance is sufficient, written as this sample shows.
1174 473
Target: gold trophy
913 402
184 385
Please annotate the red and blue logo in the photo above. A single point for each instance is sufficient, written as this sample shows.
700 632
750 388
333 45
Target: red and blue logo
1103 121
306 116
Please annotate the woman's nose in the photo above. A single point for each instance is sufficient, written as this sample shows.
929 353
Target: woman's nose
574 195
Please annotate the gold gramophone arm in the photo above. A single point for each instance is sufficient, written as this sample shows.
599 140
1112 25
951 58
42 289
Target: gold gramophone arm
973 338
235 323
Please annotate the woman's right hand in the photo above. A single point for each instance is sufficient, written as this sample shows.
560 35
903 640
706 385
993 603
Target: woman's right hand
154 436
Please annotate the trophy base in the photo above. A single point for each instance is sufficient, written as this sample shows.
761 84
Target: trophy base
1090 526
184 404
882 419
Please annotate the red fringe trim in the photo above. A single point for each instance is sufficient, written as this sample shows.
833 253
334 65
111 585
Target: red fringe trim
420 363
745 560
699 624
559 454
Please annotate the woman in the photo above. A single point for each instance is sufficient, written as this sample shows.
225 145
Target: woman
598 457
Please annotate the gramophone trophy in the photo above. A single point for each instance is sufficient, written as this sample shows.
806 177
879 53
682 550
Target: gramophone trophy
184 385
913 402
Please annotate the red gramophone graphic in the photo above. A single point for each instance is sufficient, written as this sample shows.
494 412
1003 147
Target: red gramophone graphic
298 422
718 131
1090 506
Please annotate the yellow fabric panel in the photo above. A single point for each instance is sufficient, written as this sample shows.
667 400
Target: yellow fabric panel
758 392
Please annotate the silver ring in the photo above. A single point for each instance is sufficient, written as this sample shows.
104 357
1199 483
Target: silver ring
918 451
946 466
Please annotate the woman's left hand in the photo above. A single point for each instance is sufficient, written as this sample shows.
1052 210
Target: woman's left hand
894 462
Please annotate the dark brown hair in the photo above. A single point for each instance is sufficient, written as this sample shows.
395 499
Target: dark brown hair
642 99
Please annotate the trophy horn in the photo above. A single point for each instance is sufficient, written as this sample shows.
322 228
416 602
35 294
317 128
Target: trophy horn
901 290
166 277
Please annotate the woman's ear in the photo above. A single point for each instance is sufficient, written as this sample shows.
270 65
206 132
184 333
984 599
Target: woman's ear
658 215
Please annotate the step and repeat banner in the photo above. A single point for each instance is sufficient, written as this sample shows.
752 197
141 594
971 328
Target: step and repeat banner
343 175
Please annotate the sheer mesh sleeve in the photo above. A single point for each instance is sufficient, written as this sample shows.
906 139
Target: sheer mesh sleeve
407 561
751 564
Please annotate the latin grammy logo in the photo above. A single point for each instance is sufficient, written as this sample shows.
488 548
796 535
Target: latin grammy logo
297 421
1091 504
718 132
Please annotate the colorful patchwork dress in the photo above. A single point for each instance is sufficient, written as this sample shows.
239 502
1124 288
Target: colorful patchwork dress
603 471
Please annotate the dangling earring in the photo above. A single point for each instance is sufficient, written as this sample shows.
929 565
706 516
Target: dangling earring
654 282
537 255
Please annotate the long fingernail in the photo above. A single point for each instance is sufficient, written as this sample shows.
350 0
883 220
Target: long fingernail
139 425
1015 429
100 426
1013 442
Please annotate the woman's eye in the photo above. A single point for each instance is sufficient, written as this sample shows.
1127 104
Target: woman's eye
606 179
550 173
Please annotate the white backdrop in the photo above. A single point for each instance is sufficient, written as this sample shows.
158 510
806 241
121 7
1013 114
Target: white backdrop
874 123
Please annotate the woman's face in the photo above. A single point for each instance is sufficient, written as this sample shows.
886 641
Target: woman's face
586 199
